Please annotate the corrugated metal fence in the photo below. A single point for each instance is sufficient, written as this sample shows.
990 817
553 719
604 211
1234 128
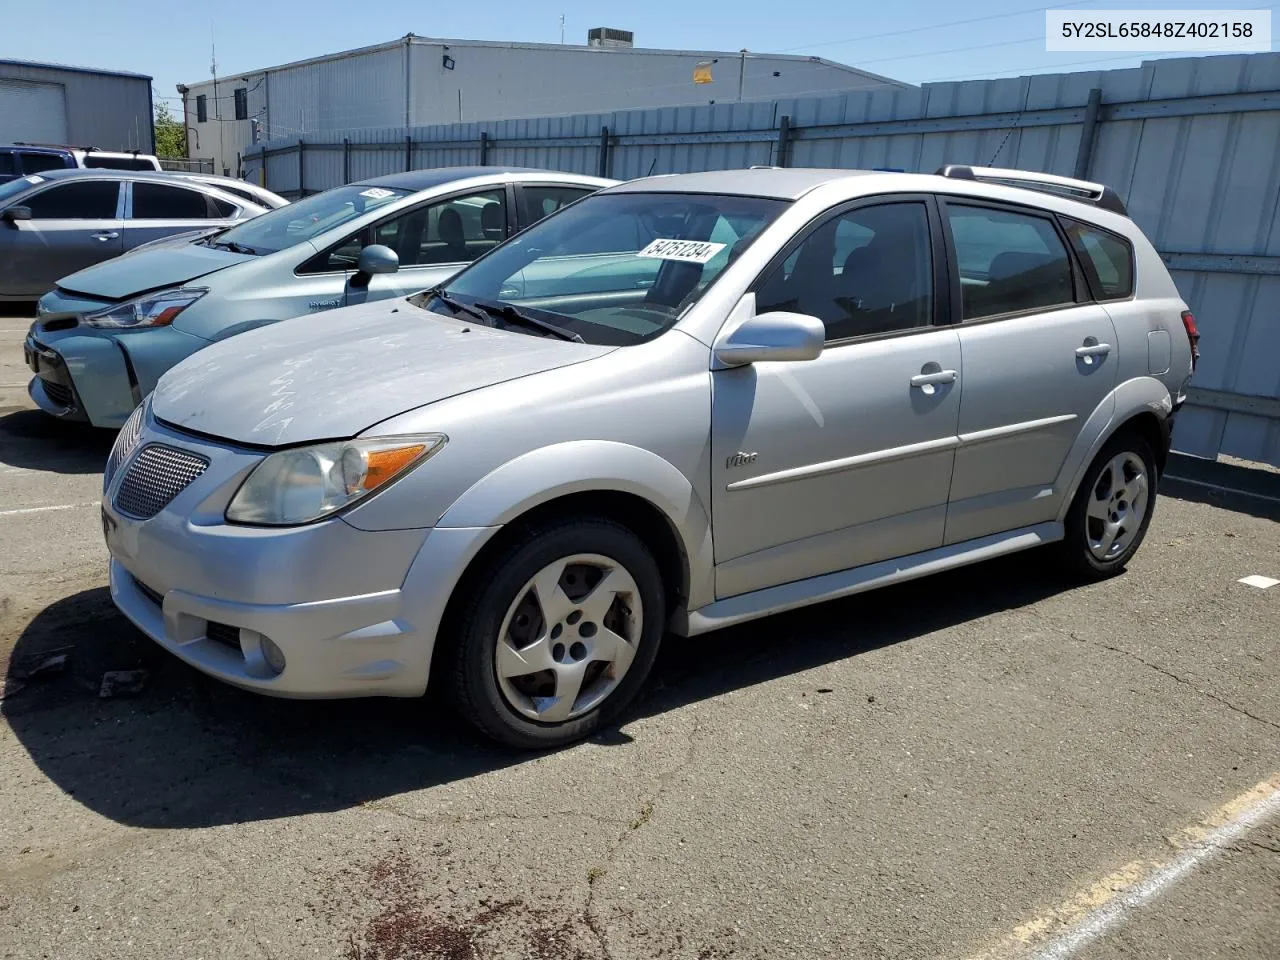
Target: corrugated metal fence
1192 145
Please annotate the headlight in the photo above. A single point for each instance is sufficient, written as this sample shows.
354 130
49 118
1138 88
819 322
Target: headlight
126 440
153 310
307 483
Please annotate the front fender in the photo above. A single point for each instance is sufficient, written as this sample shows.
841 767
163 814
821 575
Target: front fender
583 466
1126 401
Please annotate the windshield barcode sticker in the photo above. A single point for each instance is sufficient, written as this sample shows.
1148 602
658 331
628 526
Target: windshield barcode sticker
377 193
688 251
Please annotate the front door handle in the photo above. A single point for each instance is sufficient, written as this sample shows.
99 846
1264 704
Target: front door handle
939 376
1093 350
105 235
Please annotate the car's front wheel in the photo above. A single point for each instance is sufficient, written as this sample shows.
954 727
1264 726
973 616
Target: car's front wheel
1112 509
557 632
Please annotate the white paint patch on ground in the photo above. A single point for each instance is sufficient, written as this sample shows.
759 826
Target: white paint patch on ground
1262 583
59 506
1064 930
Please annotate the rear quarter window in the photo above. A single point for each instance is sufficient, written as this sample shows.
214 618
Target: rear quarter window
1106 257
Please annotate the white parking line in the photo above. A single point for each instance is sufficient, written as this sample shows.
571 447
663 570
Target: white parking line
1262 583
60 506
1063 930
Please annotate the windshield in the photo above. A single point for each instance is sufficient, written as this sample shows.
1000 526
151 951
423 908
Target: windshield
614 268
15 187
286 226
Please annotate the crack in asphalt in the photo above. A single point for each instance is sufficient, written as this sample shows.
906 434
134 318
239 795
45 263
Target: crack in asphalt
452 819
645 814
1173 676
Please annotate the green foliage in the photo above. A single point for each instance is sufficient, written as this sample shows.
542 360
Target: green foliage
171 135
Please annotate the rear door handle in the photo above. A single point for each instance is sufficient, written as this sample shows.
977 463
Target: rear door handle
928 379
105 235
1093 350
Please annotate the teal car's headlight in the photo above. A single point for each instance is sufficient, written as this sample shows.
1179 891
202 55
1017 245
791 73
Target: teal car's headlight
306 483
154 310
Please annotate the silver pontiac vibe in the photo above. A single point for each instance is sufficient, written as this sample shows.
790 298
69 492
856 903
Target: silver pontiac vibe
679 403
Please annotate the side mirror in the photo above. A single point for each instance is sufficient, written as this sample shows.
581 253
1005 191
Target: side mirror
773 336
377 258
14 214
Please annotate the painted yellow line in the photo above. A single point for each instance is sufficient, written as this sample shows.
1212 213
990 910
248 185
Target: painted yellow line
1064 929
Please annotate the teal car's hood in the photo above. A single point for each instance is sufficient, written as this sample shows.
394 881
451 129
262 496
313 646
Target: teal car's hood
334 374
150 269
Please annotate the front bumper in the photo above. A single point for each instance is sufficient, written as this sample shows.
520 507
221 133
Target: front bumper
89 375
355 613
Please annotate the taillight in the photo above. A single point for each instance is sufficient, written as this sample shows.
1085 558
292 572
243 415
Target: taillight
1193 336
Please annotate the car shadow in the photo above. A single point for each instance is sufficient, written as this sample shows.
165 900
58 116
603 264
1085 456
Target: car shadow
33 440
189 752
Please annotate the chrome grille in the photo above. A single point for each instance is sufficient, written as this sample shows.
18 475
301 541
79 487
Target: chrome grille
154 478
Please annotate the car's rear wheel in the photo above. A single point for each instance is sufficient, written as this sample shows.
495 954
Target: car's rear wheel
1112 509
557 633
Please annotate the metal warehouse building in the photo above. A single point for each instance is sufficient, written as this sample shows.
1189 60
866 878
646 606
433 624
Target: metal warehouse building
51 103
416 81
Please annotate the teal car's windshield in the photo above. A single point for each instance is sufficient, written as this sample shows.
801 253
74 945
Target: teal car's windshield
289 225
612 268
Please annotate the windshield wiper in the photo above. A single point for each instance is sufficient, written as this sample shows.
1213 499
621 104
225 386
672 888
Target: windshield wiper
457 306
234 247
509 313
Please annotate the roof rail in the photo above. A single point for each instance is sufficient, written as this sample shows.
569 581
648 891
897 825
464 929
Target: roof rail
1097 194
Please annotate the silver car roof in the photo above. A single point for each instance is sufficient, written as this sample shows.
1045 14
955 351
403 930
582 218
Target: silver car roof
784 183
417 180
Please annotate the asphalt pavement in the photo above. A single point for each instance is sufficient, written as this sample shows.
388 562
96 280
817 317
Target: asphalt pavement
989 763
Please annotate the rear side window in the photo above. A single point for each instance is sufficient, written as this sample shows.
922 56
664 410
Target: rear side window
8 166
540 202
36 162
86 200
224 208
1008 262
99 162
1107 259
158 201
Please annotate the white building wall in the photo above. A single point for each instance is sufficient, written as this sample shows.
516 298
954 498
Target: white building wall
505 81
406 83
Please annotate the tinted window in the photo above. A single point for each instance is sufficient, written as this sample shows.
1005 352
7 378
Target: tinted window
455 231
35 162
1107 259
865 272
224 207
96 161
1008 262
86 200
541 201
202 109
158 201
8 164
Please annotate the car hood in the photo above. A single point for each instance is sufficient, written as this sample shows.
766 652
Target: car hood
151 269
334 374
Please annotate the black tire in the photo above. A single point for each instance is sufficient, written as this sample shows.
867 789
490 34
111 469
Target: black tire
471 648
1077 557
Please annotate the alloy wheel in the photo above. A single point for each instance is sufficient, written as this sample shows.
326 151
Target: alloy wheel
568 638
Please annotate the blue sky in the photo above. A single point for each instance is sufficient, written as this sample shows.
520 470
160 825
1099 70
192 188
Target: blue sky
912 40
